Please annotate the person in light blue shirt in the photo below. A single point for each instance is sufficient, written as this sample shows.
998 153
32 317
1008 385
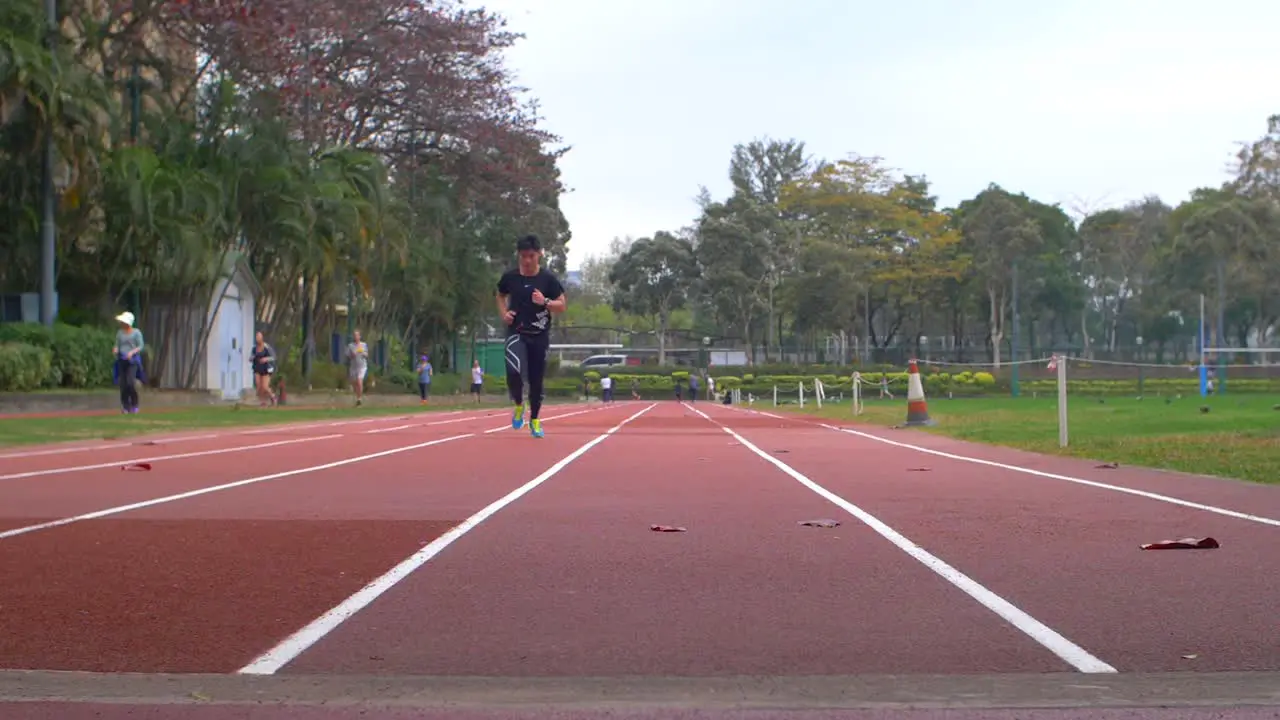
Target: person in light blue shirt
127 352
425 371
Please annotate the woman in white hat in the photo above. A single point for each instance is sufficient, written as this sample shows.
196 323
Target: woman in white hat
128 346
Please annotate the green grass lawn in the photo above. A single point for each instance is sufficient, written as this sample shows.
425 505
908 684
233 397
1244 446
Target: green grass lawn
34 430
1239 437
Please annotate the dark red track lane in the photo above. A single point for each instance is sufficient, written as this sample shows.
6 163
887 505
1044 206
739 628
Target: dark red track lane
1067 554
206 584
569 580
26 501
452 481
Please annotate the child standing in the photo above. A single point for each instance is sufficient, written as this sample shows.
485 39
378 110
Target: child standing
477 379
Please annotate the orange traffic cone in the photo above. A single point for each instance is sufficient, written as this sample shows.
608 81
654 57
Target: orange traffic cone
917 408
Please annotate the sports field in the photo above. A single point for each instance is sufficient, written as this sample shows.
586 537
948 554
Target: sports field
1238 437
445 565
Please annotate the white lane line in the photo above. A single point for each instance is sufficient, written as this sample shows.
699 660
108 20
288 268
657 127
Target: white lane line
142 440
285 426
1074 655
249 481
225 486
296 644
158 458
389 429
430 424
557 417
1066 478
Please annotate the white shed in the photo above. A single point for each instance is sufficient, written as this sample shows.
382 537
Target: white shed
224 366
232 310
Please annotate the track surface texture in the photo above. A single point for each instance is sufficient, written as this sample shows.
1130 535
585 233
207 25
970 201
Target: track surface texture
437 565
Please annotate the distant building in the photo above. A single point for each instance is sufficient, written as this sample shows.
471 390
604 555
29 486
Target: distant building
573 278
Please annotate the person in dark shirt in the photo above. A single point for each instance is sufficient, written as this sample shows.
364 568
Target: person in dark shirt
264 366
527 296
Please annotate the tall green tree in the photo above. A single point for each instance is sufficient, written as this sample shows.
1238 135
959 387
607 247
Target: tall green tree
653 278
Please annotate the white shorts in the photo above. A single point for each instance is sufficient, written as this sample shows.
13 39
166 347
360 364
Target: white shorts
359 373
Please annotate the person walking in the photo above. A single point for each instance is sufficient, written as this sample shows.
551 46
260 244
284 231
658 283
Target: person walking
527 296
357 365
425 371
128 365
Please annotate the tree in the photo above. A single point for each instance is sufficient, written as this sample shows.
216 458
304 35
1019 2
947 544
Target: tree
867 229
759 171
376 161
653 278
997 232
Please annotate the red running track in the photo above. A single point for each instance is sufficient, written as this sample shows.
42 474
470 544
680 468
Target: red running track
567 580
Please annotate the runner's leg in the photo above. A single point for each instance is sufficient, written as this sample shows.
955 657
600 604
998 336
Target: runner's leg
537 363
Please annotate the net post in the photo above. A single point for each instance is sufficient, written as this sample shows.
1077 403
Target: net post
817 392
801 394
855 389
775 396
1061 361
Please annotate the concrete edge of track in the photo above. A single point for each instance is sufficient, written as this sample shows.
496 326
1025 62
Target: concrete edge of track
1055 690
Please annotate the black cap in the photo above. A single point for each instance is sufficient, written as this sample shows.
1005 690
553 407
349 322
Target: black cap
528 242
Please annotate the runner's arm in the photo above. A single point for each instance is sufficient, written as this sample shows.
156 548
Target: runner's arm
558 305
556 301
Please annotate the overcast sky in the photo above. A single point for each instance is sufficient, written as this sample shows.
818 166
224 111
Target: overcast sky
1083 102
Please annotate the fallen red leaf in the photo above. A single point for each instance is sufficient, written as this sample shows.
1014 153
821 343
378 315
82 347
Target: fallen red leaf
1184 544
137 467
820 523
667 528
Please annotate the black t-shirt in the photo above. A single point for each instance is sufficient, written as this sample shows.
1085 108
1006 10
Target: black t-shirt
530 319
260 363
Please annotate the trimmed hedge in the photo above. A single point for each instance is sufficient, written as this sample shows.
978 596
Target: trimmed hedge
24 367
80 357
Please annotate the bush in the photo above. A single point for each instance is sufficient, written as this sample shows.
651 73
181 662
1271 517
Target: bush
403 379
24 367
81 356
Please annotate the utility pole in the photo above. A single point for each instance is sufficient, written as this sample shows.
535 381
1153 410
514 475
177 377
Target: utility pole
1222 324
135 119
308 308
48 219
1013 337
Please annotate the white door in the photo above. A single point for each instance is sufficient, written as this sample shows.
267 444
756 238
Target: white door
231 348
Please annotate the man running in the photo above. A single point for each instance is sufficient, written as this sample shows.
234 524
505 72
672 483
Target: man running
527 296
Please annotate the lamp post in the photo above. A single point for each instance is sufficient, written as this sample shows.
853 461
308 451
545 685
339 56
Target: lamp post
1141 372
48 193
1014 388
